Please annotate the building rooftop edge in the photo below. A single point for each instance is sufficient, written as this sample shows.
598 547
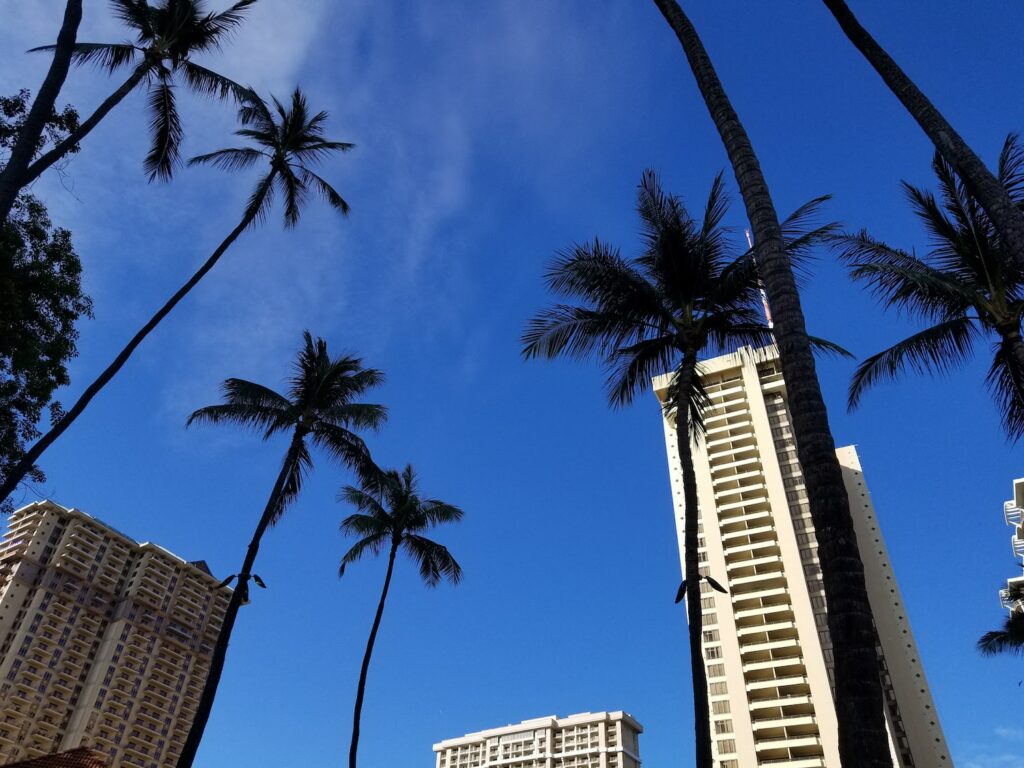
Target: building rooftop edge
539 722
146 545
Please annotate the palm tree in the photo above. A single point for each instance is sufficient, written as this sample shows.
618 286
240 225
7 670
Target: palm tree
966 287
30 135
863 740
685 296
1009 639
1006 217
167 35
286 143
392 515
319 408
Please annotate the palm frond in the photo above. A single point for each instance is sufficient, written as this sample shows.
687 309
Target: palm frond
294 190
437 512
262 198
230 159
434 560
217 26
249 405
206 82
326 191
1009 639
1005 380
372 544
297 473
136 14
829 347
937 349
165 125
340 444
108 56
902 280
631 368
1011 168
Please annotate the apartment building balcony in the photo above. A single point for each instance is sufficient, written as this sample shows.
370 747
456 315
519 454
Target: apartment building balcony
777 702
736 566
1017 543
1013 586
817 761
1012 513
741 538
755 602
776 682
776 744
786 721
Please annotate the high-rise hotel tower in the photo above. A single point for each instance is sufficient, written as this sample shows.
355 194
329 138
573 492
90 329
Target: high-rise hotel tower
766 644
104 642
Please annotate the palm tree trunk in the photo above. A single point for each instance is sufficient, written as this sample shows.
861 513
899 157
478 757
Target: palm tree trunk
990 194
220 650
691 566
863 740
32 454
35 170
12 178
361 689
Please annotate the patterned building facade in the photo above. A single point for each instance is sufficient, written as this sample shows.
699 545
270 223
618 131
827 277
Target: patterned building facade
766 644
104 642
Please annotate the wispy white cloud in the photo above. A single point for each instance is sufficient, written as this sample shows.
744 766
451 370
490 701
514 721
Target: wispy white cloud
1001 751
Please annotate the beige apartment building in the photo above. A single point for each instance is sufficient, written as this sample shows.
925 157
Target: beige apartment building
104 642
1013 513
587 740
766 644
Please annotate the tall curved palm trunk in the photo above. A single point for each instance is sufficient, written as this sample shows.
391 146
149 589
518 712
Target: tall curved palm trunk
863 741
1007 218
17 474
239 596
691 566
47 159
361 689
14 177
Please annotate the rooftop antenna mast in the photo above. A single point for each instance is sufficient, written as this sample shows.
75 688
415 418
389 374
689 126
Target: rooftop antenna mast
760 285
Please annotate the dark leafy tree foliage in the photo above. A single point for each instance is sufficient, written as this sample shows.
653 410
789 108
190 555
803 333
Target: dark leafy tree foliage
41 300
968 288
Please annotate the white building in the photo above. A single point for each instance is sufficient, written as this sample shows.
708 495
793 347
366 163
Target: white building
766 643
587 740
1013 513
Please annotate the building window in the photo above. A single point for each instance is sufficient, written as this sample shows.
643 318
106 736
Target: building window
720 707
723 726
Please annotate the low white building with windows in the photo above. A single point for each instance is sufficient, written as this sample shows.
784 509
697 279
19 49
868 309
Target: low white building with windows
586 740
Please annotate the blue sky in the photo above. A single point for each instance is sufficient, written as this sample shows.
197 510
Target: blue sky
489 135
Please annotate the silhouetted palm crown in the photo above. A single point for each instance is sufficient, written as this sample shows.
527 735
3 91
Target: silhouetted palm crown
966 286
167 35
391 513
686 294
319 405
289 139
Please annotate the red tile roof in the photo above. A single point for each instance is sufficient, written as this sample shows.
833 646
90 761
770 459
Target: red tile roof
82 757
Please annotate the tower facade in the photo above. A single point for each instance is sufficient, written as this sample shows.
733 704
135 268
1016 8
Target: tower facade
586 740
766 643
104 642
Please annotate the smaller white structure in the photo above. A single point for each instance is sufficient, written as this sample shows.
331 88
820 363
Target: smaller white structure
585 740
1013 513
